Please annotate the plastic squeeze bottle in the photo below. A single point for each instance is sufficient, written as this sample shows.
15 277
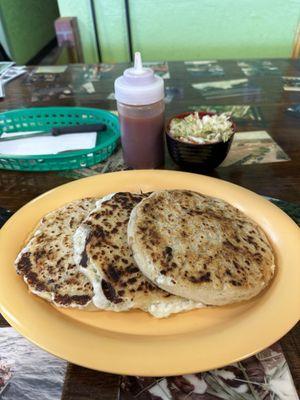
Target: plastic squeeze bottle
140 101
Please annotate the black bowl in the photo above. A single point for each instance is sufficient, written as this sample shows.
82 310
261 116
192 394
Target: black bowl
194 156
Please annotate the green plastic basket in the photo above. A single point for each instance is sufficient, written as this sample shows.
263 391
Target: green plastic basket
44 118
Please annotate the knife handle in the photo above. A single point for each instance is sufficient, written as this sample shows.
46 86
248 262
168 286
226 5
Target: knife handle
65 130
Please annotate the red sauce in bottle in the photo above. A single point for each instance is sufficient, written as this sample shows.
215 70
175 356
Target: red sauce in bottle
140 103
142 135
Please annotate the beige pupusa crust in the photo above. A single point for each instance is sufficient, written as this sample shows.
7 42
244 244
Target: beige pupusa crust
46 262
199 247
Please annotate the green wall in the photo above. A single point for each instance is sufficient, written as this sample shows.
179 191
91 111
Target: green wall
28 26
112 30
192 29
188 29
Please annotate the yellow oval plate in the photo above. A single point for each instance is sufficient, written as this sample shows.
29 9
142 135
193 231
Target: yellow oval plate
134 342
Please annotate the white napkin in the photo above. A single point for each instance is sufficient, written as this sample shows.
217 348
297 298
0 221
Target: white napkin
48 144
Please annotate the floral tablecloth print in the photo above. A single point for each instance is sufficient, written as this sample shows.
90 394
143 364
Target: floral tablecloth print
264 376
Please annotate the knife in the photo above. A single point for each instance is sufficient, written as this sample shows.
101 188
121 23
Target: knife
56 131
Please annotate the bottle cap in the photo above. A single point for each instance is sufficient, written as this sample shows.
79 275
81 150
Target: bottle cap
139 85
